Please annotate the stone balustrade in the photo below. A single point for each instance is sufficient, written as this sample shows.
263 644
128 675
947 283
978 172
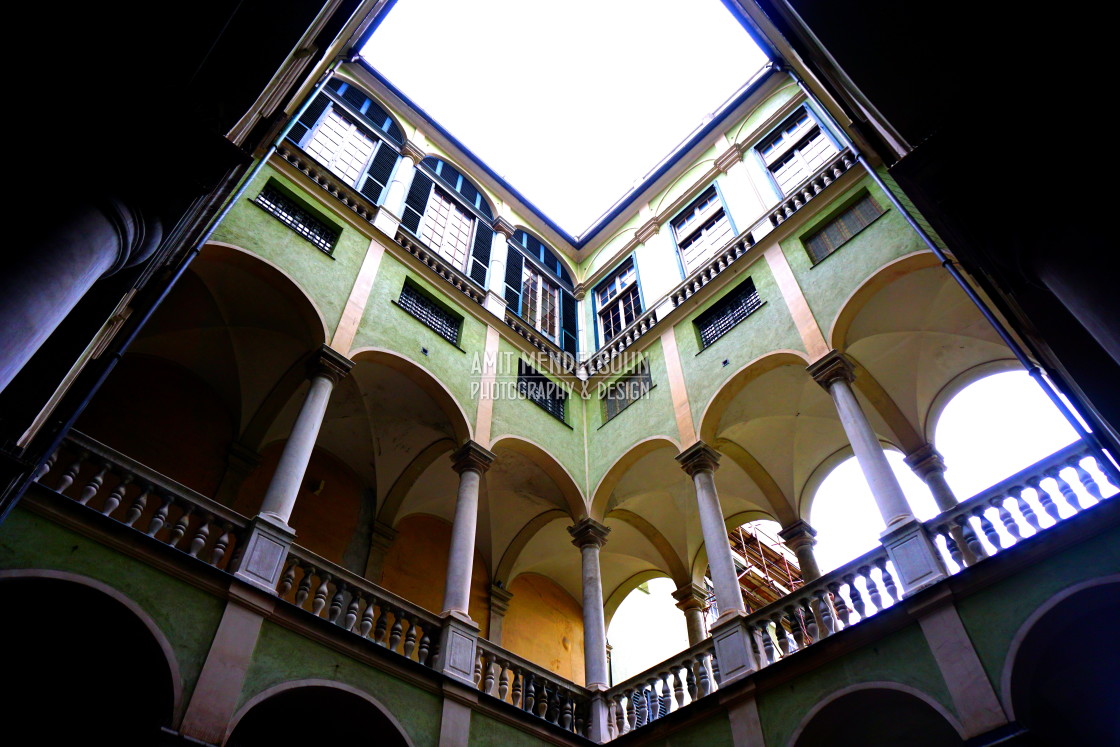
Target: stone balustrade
564 361
328 182
358 606
437 264
811 187
662 689
1019 507
534 690
711 269
118 487
616 345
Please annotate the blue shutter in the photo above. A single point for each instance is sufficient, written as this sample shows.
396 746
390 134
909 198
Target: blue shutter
377 177
416 201
515 266
480 254
568 323
310 117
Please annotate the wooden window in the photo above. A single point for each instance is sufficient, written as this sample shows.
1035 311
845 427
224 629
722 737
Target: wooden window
447 228
727 312
622 392
540 302
340 145
619 301
796 151
541 390
701 228
841 228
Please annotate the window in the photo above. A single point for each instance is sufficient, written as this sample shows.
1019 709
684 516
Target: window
841 228
620 393
540 302
701 229
429 311
537 387
292 214
539 290
448 213
796 150
619 301
727 312
351 135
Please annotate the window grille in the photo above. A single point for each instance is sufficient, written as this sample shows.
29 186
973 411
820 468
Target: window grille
535 386
841 228
294 216
728 311
621 393
440 320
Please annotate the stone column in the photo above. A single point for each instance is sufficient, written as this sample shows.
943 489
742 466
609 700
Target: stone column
325 369
500 598
41 282
800 537
269 538
471 461
388 218
499 251
914 557
928 464
692 599
700 462
589 536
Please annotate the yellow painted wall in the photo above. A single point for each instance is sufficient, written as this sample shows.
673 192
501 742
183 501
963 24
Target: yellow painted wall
416 568
545 625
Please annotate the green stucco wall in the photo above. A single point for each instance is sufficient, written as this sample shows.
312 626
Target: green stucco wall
488 732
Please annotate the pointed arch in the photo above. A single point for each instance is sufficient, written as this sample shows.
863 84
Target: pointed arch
558 473
420 376
609 480
858 298
678 573
718 404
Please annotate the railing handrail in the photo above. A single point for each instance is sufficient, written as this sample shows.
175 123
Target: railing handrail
353 580
435 260
143 474
537 670
798 193
705 646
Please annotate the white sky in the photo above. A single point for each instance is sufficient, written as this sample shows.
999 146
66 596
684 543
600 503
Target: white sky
571 102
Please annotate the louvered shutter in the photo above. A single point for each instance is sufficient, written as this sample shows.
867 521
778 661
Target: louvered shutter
416 201
377 177
568 322
515 266
480 254
310 116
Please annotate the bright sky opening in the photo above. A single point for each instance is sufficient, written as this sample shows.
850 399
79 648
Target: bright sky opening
572 103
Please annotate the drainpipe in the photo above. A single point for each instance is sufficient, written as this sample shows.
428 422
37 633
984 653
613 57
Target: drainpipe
185 262
1036 373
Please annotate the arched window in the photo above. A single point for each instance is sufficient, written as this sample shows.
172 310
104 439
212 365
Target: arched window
539 290
350 134
449 214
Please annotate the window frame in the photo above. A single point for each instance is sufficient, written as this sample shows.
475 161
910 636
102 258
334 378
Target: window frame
728 305
302 206
529 378
815 123
630 263
422 292
696 233
835 217
641 375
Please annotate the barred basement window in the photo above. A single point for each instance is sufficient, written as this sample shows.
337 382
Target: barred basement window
289 212
625 390
841 228
427 310
728 311
537 387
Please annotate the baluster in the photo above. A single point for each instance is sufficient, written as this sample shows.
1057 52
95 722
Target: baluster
767 644
198 541
304 587
139 503
666 692
287 578
382 628
857 598
999 503
843 613
93 485
1065 489
1044 498
1027 511
654 699
566 712
945 531
778 618
529 701
488 670
678 686
395 631
543 694
366 623
796 628
425 646
336 602
612 719
221 544
476 675
410 637
555 705
872 588
641 711
159 518
705 688
320 600
1087 480
988 528
44 469
823 611
116 495
715 670
690 678
352 611
888 581
971 541
809 619
518 679
181 525
503 685
71 472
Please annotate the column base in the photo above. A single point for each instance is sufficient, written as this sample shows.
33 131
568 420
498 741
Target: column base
914 556
597 726
266 549
733 648
458 647
495 304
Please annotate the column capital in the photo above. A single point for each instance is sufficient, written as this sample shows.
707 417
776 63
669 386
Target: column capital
330 363
587 531
648 230
798 534
500 597
698 458
503 226
924 460
472 455
579 291
691 597
413 151
725 161
835 366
